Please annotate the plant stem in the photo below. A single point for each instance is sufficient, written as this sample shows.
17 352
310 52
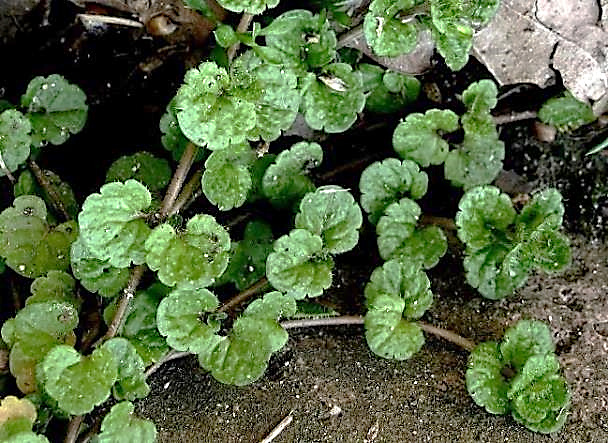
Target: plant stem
442 222
514 117
178 179
44 182
450 336
241 27
244 295
123 305
327 321
73 428
187 191
171 355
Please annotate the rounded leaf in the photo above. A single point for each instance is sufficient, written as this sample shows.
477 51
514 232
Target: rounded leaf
242 356
56 109
131 380
484 215
56 286
401 281
179 318
418 137
298 267
173 139
196 257
111 223
525 339
77 383
332 101
96 275
302 39
566 112
30 246
332 213
385 32
122 426
285 181
207 114
152 172
385 182
484 379
399 238
15 140
227 180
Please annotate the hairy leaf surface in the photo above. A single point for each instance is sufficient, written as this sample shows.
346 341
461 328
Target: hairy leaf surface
332 213
385 182
385 32
112 225
131 381
151 171
56 109
242 356
78 383
29 245
485 382
15 140
298 266
285 181
253 7
195 257
122 426
418 137
56 286
566 113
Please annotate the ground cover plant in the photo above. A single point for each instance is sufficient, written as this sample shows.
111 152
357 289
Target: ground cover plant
133 276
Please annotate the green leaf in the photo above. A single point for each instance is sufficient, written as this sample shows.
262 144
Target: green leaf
34 331
484 215
122 426
566 112
276 96
78 383
56 109
227 180
248 262
539 396
332 213
242 357
418 137
196 257
285 181
112 225
396 294
384 31
180 318
27 185
30 246
208 114
525 339
484 378
333 99
399 238
173 139
225 36
96 275
57 286
253 7
304 40
454 44
131 381
298 267
478 159
503 248
389 91
152 172
385 182
15 140
17 416
599 147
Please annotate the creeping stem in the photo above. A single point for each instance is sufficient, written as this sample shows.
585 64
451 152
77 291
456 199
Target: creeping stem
44 182
179 177
241 27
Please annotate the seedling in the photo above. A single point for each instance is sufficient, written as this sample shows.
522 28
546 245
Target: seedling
219 124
